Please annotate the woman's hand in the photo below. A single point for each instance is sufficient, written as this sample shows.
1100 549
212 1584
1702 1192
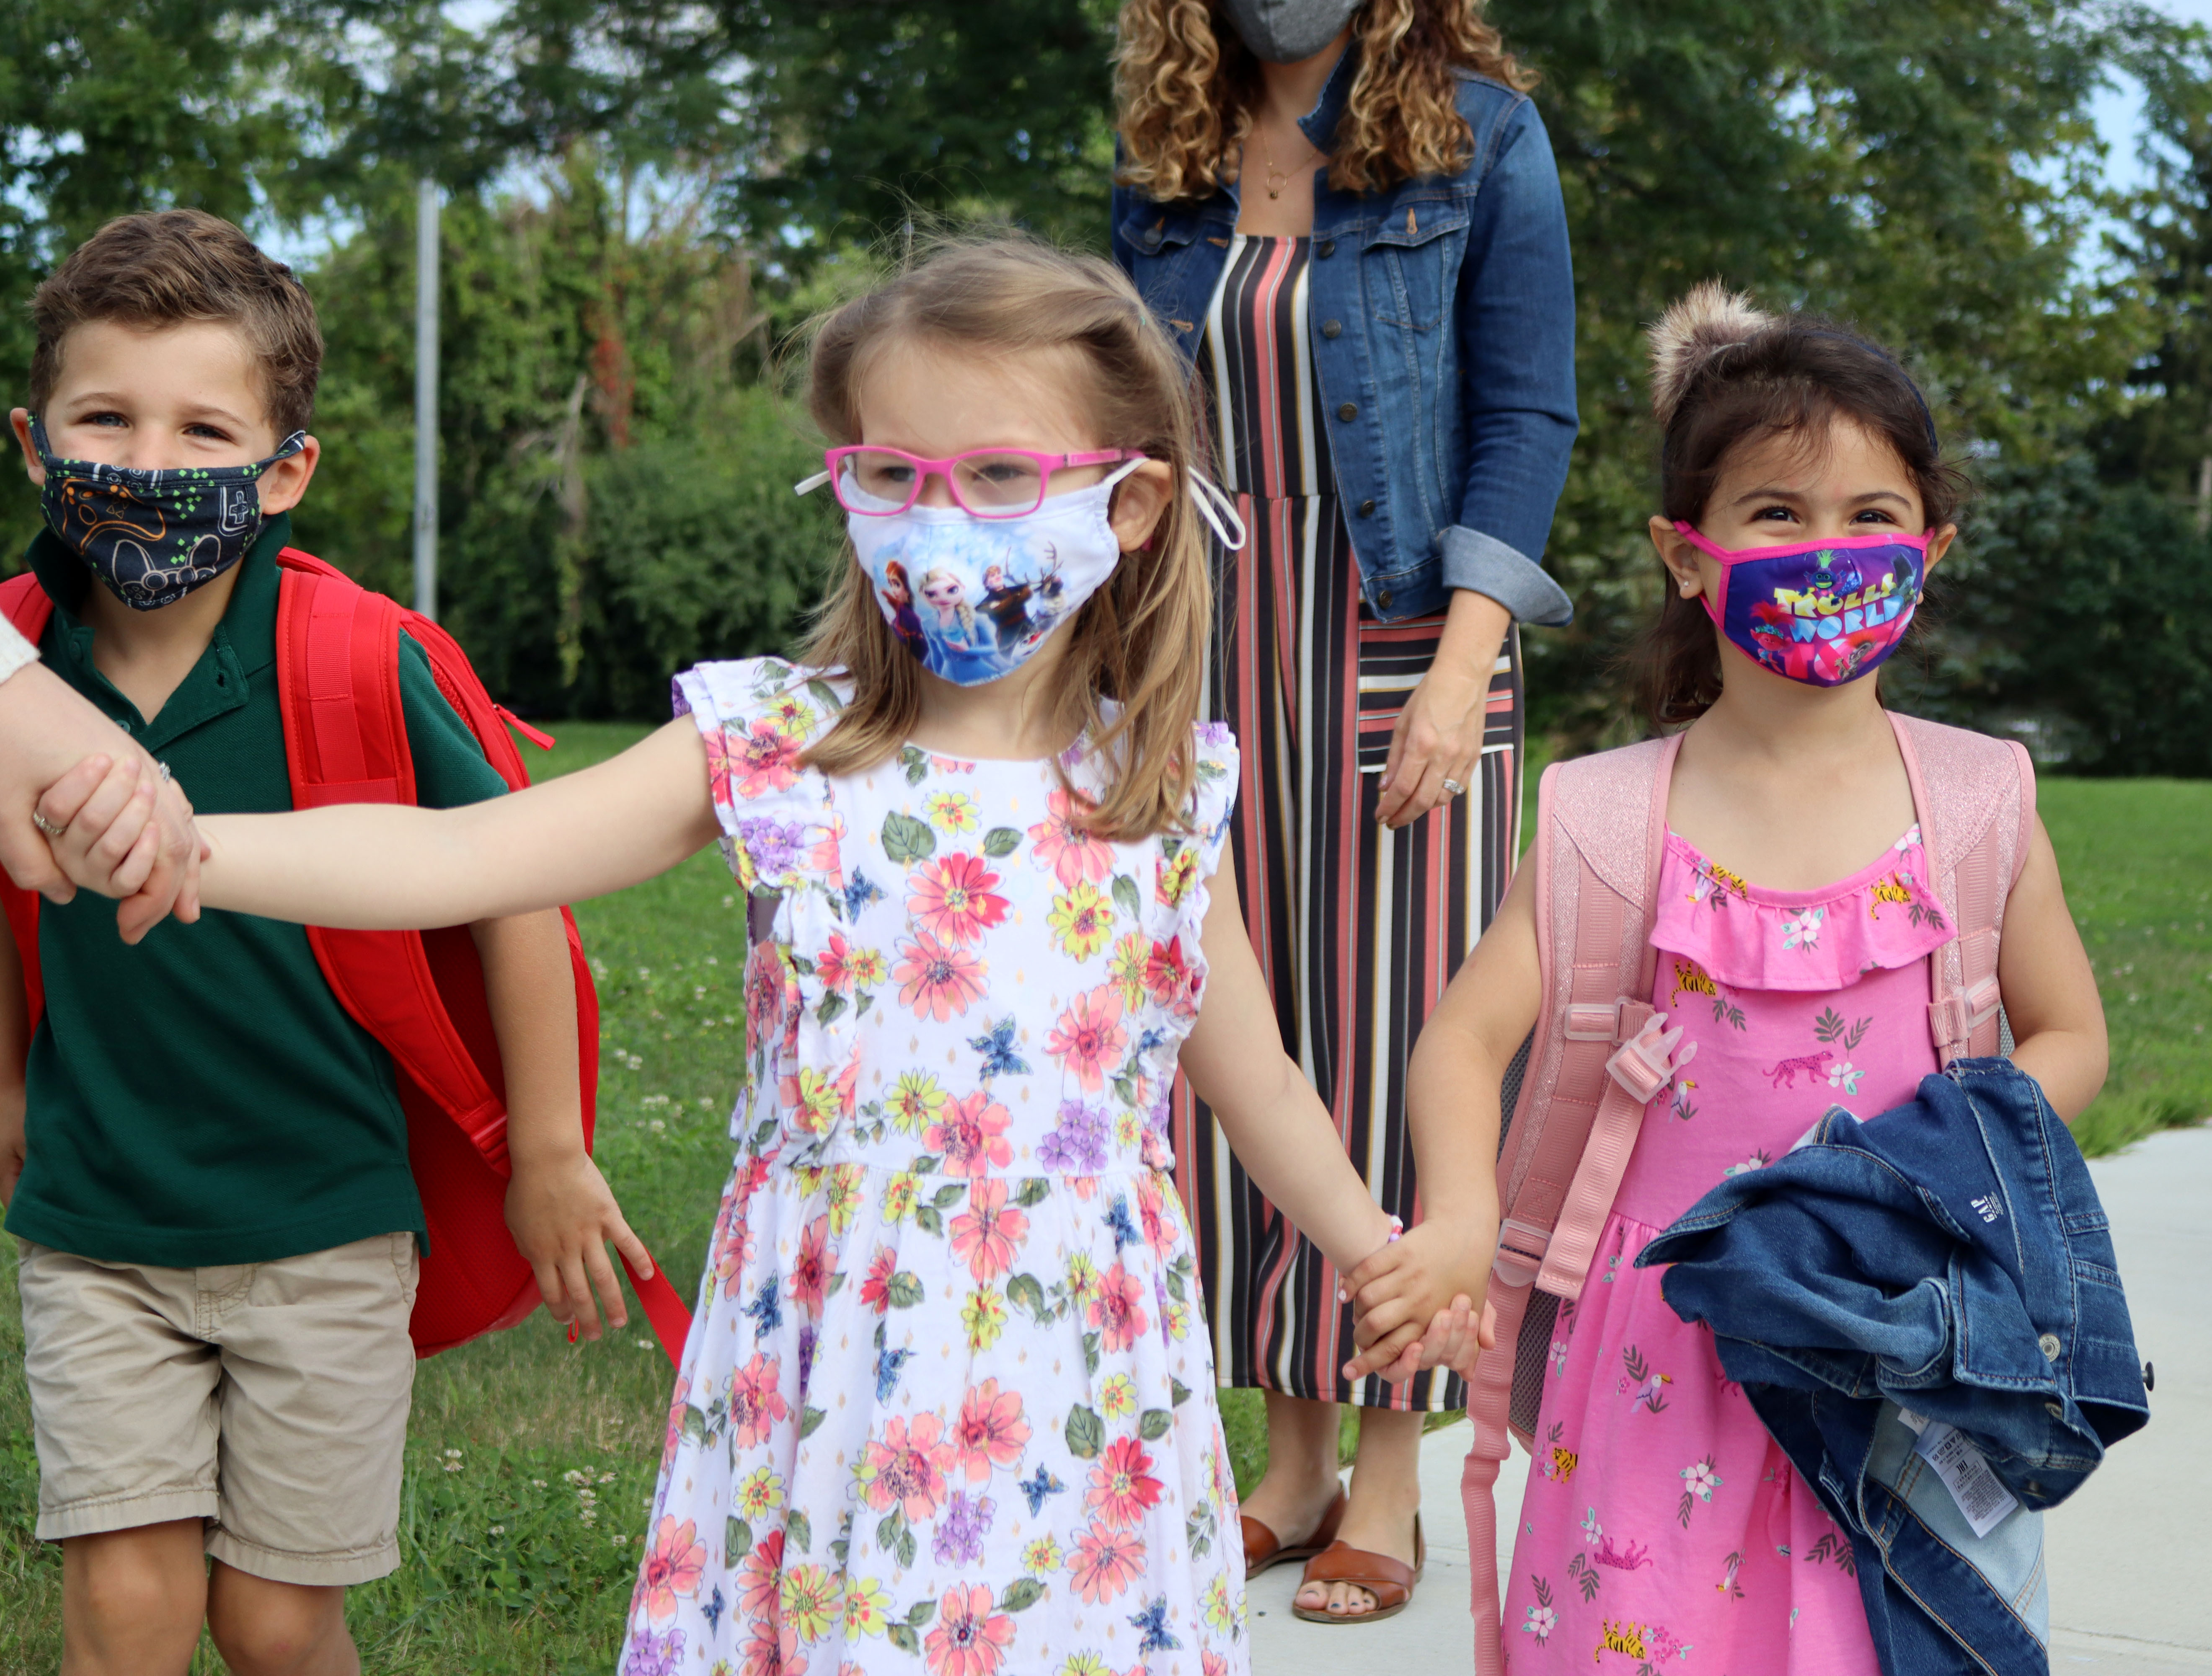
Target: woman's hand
1439 736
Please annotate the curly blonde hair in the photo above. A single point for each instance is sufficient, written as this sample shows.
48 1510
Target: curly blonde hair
1187 86
1140 640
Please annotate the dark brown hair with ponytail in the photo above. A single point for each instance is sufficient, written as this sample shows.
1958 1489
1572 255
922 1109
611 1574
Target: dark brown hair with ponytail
1725 375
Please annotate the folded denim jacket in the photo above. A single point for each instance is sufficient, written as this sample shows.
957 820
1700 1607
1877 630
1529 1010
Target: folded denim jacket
1947 1264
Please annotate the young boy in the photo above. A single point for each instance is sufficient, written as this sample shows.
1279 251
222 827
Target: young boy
205 1161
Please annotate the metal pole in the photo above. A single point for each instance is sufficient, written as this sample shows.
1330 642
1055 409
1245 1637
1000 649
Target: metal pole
426 399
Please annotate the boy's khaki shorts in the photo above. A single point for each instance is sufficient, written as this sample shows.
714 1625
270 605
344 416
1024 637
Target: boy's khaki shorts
270 1398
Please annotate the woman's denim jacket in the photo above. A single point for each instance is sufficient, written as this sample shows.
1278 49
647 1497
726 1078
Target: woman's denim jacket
1949 1257
1443 334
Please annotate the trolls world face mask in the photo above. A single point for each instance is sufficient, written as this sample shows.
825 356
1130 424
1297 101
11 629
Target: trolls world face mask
152 537
1822 612
974 597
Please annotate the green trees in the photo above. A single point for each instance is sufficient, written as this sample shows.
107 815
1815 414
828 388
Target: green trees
616 500
646 196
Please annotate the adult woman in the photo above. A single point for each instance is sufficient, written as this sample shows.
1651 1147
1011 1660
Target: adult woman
1384 327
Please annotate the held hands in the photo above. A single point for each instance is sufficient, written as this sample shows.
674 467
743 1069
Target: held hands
1417 1300
561 1213
112 825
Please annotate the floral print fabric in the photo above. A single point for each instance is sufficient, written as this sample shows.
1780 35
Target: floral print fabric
1663 1530
946 1408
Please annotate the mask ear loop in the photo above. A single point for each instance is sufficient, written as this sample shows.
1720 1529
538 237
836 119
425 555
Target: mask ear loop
1715 608
808 485
1208 497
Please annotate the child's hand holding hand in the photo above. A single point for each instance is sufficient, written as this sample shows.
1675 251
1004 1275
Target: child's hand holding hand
1411 1285
561 1213
118 826
1453 1340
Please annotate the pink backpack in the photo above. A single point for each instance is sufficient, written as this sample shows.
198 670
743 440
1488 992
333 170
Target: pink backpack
1600 1052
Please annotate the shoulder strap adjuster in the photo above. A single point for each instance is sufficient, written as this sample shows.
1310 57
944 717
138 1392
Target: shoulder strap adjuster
1615 1021
1644 1063
1952 1020
1520 1255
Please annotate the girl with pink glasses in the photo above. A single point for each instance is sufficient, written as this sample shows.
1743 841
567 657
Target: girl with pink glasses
947 1403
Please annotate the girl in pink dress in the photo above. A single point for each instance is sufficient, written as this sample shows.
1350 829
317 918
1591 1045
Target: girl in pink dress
1805 499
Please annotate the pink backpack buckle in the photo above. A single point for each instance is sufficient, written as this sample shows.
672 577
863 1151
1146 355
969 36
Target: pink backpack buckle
1520 1254
1644 1063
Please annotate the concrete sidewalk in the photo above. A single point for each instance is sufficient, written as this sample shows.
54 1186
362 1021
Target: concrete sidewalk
2130 1594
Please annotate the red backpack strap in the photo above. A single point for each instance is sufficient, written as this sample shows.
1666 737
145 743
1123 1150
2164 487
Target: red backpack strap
345 741
25 604
421 995
1598 1055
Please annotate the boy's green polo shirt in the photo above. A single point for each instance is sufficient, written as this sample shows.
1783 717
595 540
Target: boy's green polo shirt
203 1098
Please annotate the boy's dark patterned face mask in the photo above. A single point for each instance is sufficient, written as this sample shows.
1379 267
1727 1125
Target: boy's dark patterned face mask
154 536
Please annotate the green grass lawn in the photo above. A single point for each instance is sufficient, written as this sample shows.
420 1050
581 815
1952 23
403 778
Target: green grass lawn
531 1460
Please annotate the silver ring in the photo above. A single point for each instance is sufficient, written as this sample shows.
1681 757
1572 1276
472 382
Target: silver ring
1453 787
46 826
165 775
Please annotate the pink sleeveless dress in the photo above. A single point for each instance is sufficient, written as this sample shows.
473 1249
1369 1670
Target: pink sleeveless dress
1663 1530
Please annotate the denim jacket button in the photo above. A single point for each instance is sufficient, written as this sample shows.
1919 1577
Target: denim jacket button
1367 509
1326 247
2049 1345
1382 600
1348 411
1332 328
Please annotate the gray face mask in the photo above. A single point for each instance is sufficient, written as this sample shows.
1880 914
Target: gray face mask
1282 31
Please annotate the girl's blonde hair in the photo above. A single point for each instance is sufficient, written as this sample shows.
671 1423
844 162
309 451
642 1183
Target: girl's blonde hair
1140 640
1187 86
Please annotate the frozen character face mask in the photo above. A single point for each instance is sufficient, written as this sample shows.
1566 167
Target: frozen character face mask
1822 612
152 537
974 589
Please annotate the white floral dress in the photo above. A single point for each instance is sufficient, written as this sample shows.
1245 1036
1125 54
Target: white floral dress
947 1405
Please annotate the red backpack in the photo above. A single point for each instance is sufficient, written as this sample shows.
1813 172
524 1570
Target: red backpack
420 994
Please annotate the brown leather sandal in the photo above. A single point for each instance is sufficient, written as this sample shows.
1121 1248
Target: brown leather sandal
1390 1581
1263 1548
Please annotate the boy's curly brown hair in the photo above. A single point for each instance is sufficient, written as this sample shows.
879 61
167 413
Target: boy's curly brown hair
168 266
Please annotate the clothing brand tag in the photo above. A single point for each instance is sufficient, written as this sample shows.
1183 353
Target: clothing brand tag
1982 1498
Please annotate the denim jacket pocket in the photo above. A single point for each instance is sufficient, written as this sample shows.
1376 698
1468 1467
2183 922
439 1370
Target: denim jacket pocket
1415 250
1151 229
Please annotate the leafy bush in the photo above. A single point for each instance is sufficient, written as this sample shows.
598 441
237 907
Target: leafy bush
2072 613
691 545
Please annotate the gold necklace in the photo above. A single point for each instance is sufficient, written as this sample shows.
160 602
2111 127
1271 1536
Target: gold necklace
1279 178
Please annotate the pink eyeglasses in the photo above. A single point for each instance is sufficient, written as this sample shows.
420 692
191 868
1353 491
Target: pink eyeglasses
984 482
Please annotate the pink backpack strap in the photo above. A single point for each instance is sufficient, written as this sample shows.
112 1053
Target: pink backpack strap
1976 800
1598 1055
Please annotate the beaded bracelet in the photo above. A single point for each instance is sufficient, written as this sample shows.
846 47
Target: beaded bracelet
1397 1232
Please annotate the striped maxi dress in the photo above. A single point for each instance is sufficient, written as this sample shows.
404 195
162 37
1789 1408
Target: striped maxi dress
1357 929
